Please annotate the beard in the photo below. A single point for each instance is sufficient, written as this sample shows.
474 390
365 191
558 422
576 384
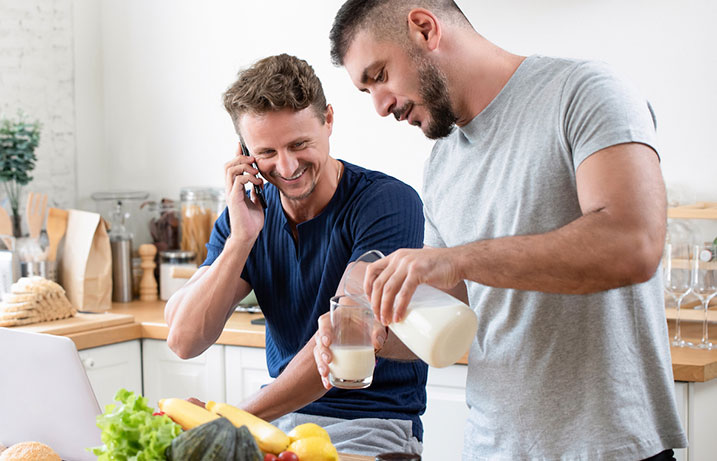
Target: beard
292 196
434 92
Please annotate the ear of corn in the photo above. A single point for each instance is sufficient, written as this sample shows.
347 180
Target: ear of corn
186 414
269 437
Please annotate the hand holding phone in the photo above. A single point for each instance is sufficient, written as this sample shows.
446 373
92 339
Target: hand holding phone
258 191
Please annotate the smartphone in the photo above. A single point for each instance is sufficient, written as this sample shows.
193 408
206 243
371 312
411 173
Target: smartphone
258 190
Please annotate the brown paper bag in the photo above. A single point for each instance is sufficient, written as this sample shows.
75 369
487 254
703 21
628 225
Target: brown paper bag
87 262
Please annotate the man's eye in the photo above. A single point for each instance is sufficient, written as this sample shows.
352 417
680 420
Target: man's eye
264 154
380 76
300 145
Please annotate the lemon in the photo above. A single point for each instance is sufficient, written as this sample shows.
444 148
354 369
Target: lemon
314 449
303 431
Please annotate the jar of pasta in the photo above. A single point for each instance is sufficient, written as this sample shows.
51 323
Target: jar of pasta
197 219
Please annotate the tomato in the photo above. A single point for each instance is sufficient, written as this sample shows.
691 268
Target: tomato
270 457
158 413
288 456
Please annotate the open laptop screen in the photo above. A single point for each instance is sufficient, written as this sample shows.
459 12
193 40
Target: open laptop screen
45 395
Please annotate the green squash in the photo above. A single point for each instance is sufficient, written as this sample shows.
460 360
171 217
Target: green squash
217 440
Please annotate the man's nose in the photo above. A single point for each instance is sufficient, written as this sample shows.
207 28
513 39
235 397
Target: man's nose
286 164
384 102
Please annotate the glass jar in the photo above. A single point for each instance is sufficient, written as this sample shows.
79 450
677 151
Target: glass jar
164 224
198 216
175 268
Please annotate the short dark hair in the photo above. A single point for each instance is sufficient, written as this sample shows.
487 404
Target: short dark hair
384 17
275 83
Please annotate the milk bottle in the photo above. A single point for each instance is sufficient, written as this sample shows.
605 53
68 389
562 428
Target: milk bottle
437 327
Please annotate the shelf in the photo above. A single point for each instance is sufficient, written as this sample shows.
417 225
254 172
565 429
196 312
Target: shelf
685 264
699 210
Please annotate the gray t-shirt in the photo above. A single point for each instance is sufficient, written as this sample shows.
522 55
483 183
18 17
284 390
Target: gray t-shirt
552 376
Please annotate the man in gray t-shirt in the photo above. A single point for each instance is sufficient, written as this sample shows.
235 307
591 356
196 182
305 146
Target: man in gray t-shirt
545 210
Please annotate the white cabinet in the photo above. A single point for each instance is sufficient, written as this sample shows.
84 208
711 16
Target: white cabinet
166 375
699 402
246 372
112 367
446 413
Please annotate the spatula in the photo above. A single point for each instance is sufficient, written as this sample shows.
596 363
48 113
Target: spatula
35 213
5 227
56 226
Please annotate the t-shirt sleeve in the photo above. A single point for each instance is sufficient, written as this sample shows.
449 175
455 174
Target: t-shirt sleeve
388 217
217 239
432 237
601 109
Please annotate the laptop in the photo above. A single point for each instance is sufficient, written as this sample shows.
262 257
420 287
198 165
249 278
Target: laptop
45 395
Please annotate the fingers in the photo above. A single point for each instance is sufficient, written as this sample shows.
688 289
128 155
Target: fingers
391 283
196 402
378 336
322 353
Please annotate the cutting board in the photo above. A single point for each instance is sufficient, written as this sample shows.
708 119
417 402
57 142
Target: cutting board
78 323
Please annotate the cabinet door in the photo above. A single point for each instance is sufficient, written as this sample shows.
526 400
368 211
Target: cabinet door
166 375
701 415
446 413
682 400
246 372
112 367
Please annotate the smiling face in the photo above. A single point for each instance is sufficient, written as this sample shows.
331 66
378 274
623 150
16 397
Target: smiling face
404 84
291 148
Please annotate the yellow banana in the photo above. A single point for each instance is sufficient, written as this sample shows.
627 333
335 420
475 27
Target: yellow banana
269 437
186 414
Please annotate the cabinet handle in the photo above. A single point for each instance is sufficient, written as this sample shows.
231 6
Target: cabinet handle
89 362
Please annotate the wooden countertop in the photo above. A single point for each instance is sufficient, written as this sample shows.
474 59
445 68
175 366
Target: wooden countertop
687 364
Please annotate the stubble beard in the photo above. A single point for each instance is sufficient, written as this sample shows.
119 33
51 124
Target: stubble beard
434 92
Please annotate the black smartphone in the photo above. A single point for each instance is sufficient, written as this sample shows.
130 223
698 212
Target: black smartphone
258 190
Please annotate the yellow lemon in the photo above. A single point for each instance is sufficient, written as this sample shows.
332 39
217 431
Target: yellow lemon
314 449
303 431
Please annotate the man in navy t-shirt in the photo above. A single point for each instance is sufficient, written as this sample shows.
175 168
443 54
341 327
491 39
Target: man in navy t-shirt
321 215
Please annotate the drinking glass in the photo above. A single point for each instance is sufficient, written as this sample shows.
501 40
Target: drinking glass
705 287
353 356
678 265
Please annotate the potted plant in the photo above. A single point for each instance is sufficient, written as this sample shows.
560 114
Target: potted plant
18 141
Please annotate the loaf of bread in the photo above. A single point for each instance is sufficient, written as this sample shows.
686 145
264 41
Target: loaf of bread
29 451
32 300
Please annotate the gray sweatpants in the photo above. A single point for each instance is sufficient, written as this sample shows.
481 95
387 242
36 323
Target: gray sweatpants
365 436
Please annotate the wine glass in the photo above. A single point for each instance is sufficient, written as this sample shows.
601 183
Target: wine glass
705 287
679 278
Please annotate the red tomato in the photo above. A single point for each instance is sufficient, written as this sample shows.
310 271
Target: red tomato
270 457
288 456
158 413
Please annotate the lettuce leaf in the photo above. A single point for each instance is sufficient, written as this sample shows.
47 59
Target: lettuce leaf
131 433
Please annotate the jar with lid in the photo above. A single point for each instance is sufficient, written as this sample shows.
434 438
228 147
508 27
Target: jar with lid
175 268
198 216
164 224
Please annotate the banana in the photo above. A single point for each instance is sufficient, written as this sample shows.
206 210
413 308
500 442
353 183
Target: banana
269 437
186 414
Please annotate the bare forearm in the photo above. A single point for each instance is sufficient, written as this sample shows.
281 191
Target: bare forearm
593 253
196 314
297 386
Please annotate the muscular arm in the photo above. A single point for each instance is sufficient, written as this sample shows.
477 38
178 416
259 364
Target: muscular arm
196 314
616 242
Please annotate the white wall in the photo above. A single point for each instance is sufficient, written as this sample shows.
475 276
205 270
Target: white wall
157 122
36 76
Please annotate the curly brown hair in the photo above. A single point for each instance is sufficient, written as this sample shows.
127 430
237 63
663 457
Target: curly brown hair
275 83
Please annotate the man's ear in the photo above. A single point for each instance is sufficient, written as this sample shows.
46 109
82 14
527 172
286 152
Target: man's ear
424 29
329 118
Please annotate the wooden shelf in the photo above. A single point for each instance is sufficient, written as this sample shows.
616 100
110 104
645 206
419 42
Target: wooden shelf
699 210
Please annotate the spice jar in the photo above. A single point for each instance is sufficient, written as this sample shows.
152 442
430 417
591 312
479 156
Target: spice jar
175 268
198 216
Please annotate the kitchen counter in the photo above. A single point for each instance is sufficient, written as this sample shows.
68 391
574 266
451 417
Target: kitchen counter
687 364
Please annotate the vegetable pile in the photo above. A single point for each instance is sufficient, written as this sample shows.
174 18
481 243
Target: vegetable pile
131 432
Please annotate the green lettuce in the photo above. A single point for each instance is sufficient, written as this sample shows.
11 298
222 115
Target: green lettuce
131 433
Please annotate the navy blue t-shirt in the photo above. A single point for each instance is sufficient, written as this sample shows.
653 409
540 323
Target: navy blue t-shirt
294 281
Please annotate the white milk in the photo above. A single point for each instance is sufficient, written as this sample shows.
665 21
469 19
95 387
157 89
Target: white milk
438 328
352 363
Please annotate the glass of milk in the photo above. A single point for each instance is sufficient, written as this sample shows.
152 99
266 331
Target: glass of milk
353 359
438 328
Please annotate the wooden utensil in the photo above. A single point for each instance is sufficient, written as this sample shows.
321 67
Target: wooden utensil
6 227
56 227
35 213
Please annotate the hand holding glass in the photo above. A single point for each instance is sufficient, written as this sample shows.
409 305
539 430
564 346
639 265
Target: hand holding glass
353 356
